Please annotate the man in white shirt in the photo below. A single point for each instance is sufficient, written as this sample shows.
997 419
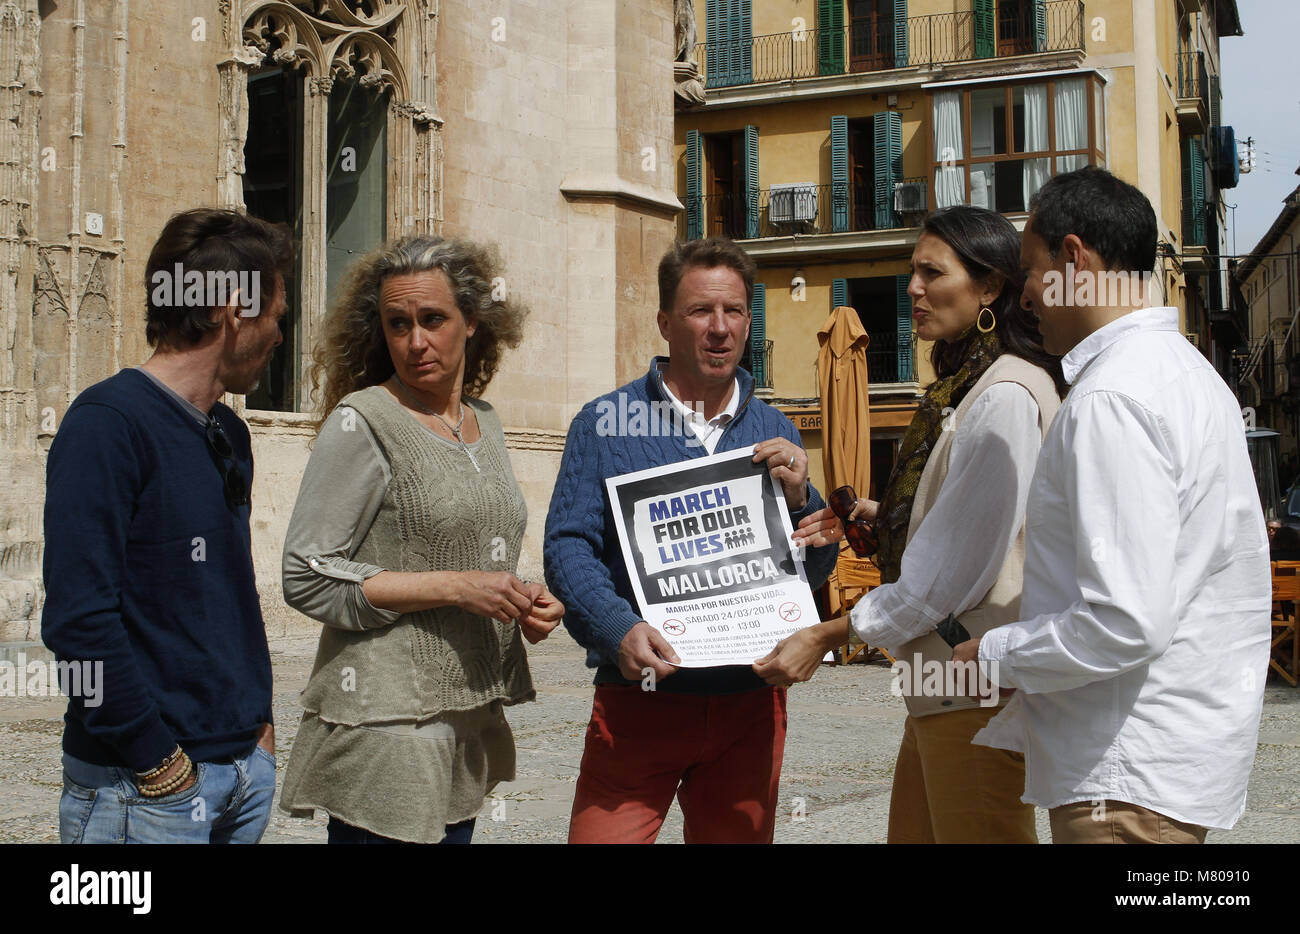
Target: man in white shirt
1140 657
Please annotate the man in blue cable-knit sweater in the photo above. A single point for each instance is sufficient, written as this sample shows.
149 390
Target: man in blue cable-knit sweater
714 737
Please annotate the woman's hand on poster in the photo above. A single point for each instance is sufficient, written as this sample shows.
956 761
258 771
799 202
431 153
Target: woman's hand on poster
789 465
796 657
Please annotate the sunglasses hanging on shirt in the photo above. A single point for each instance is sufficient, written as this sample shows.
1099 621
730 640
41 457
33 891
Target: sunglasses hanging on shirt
232 478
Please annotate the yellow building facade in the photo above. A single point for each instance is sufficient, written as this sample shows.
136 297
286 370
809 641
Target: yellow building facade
828 129
1266 286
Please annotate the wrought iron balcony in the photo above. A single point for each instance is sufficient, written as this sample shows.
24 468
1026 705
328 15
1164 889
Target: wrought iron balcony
883 364
790 210
879 44
762 374
1193 90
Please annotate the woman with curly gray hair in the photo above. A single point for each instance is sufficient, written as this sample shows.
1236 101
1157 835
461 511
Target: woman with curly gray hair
403 543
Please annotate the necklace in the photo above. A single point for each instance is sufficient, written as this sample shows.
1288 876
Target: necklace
455 430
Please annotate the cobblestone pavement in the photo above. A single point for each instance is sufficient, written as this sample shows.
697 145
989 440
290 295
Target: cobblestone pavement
844 732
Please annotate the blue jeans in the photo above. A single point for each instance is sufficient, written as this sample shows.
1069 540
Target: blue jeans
230 802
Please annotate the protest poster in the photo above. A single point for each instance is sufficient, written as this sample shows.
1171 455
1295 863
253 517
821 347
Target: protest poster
707 547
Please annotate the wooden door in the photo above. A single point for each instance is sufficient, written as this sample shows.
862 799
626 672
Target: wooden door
861 175
871 35
724 200
1015 27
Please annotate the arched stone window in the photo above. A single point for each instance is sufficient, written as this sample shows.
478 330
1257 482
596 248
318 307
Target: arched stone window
329 126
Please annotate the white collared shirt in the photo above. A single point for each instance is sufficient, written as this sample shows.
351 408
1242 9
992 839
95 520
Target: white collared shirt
1143 643
709 431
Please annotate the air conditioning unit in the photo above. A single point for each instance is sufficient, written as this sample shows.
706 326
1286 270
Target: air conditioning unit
788 204
910 197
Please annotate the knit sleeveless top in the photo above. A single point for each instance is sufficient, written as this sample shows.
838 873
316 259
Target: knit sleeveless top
438 514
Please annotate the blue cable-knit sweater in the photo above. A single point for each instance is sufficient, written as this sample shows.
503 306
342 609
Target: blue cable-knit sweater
583 560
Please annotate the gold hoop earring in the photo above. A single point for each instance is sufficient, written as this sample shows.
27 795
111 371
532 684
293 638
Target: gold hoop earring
979 320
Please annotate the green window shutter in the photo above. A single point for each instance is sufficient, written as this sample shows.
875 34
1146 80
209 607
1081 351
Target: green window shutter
728 43
830 37
839 174
694 186
900 34
1194 180
758 335
888 150
731 29
839 293
751 181
743 54
906 373
1040 25
717 55
985 29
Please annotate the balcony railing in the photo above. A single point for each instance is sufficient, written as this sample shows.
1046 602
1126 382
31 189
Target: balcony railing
869 45
883 365
1193 78
762 375
789 210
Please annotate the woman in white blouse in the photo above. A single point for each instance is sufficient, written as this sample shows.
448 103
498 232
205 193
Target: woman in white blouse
951 530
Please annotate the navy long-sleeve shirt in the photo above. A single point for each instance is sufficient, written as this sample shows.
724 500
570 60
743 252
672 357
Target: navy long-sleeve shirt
150 572
583 560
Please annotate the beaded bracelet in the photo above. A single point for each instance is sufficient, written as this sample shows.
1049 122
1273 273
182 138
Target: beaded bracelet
166 764
167 787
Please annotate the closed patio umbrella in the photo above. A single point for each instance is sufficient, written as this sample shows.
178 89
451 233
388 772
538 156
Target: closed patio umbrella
842 383
846 434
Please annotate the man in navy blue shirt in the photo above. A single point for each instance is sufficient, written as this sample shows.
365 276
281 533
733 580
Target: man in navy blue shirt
712 737
148 566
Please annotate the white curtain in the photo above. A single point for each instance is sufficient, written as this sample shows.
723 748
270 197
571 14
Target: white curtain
1071 122
1036 171
949 180
982 186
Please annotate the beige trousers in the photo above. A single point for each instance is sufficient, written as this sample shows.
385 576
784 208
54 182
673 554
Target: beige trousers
947 790
1118 822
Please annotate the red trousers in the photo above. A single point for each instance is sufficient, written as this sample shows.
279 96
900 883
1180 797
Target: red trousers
719 754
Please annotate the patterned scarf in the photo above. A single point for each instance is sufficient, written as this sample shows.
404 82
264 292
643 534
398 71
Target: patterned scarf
944 394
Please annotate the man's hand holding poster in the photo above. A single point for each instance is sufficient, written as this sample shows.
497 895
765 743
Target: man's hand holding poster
707 546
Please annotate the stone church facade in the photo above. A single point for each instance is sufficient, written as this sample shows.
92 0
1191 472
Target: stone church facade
545 127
